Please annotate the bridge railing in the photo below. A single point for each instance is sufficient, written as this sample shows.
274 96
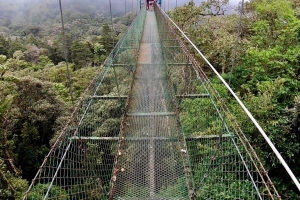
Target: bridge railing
82 145
216 123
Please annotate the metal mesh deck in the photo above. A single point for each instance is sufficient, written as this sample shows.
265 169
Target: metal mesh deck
150 166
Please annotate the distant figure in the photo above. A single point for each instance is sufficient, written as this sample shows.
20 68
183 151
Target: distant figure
151 2
159 2
147 4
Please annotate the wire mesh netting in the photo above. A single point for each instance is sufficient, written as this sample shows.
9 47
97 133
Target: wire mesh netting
80 163
155 127
223 163
149 162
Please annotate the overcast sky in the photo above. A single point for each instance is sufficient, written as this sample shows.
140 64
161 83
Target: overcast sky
170 2
119 4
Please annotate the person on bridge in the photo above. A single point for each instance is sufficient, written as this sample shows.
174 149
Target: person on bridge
159 2
147 4
151 4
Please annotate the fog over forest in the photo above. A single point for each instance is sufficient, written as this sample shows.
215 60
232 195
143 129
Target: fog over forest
24 13
44 14
117 5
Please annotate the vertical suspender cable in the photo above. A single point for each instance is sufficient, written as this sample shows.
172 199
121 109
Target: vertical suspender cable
66 54
68 75
113 40
238 35
112 25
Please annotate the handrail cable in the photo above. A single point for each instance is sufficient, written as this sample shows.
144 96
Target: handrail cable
66 54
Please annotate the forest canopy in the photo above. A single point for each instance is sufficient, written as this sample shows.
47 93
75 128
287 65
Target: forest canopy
265 73
39 83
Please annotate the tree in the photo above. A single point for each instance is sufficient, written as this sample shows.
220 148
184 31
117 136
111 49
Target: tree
3 46
15 45
189 14
108 38
99 52
3 67
266 75
56 51
267 79
82 55
11 186
31 117
209 28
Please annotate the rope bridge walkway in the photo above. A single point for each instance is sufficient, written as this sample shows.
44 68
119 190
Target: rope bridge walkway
153 125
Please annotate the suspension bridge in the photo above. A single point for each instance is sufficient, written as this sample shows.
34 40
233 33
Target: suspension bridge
155 123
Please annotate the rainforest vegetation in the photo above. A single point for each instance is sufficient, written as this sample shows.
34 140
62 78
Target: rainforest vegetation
266 70
38 88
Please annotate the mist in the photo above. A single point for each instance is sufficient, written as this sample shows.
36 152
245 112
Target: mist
12 12
116 4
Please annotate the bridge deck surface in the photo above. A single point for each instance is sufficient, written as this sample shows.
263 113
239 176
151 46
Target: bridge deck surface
152 166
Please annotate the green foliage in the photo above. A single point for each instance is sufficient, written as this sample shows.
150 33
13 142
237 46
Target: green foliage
108 128
62 91
43 62
18 55
81 79
191 122
3 46
82 54
274 9
3 67
93 191
108 38
108 114
57 74
275 24
2 58
34 110
99 52
176 191
133 191
56 192
15 45
215 36
11 186
31 110
127 57
220 190
198 117
266 77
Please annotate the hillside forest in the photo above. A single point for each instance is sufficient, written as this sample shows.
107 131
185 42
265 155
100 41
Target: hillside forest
40 81
259 56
